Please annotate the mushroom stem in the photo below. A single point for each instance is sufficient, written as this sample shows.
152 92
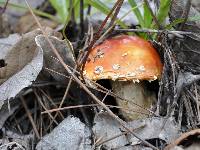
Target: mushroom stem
133 93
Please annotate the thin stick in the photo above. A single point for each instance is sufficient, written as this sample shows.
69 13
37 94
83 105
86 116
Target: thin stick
157 31
82 18
98 143
43 106
89 105
49 98
116 13
30 117
63 99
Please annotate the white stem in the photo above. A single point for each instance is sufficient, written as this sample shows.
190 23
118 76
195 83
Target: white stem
134 93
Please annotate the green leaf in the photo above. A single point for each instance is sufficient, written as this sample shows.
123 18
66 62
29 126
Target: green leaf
147 17
61 7
163 10
137 13
104 9
98 5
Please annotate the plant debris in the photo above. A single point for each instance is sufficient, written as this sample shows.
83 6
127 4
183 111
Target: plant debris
50 60
24 62
71 133
111 134
47 100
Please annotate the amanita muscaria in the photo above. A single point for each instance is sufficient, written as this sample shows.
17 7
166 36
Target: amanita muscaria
126 61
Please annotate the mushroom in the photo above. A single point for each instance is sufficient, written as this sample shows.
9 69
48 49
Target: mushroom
127 61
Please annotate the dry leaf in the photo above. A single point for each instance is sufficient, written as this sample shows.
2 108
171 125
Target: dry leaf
14 14
50 60
26 24
105 128
156 127
23 63
7 43
5 28
70 134
150 128
19 55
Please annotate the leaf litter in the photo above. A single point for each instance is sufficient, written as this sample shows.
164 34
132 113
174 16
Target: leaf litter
71 133
51 62
115 136
22 63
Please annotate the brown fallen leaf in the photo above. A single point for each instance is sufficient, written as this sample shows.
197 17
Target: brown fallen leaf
26 24
50 60
5 28
22 64
20 54
7 43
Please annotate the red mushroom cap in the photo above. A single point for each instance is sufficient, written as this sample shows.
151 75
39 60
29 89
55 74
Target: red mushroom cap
123 58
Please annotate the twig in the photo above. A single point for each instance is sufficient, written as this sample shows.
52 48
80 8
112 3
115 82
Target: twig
180 113
70 80
116 13
63 99
43 106
89 105
189 110
116 136
41 123
157 31
181 138
197 101
30 117
82 18
51 102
